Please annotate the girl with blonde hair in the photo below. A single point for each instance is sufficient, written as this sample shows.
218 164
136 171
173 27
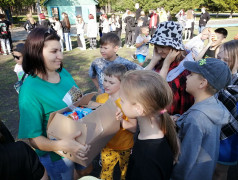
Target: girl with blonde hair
145 95
80 33
30 24
228 151
188 25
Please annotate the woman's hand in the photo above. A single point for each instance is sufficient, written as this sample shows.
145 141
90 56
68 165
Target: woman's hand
69 144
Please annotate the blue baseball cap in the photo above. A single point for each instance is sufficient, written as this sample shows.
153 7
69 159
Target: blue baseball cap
215 71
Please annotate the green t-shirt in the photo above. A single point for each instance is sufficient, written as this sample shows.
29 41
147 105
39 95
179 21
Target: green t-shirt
39 98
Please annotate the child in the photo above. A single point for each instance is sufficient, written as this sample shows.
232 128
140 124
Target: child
92 32
200 126
130 29
4 36
188 25
18 57
138 28
118 27
109 45
119 147
145 95
215 40
80 33
142 45
228 151
30 24
105 24
57 26
196 44
66 31
137 33
169 54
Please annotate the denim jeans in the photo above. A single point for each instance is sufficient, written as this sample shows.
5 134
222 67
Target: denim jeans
67 40
200 28
62 169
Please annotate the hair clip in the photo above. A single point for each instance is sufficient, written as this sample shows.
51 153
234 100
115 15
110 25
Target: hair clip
163 111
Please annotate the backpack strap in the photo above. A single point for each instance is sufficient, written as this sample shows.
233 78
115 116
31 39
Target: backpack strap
23 77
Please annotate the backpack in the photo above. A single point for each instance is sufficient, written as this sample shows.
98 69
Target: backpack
3 30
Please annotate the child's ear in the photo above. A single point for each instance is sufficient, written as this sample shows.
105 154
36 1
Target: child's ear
203 84
139 109
116 48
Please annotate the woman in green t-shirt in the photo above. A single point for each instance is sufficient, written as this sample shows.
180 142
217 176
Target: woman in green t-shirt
42 93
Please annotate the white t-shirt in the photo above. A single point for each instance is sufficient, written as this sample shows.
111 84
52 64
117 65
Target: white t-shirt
195 45
19 71
144 49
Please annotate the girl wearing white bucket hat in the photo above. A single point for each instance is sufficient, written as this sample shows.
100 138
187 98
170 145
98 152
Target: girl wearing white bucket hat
168 57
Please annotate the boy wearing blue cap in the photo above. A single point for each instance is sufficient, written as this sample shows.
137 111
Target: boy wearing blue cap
200 126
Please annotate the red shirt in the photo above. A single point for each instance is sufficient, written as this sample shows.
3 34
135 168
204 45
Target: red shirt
182 100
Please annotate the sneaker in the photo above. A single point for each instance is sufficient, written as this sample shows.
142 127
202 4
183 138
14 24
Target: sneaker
4 54
132 47
127 46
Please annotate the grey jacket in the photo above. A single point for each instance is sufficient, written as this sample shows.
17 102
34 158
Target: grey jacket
199 132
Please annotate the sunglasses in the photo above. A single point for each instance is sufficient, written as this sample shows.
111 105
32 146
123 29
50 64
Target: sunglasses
16 57
48 32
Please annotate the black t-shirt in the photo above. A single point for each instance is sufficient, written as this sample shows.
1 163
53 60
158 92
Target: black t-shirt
138 11
17 159
210 53
150 160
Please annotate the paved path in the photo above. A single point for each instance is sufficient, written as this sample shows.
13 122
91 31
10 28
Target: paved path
19 33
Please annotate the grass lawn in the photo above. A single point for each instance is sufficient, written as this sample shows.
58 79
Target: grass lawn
76 62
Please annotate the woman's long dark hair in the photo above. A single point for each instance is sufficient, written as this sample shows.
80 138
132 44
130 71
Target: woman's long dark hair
66 20
33 60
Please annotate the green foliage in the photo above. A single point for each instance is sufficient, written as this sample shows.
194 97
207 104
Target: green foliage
4 4
172 6
123 5
222 5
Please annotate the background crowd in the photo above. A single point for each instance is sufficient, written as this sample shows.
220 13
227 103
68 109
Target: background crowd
178 113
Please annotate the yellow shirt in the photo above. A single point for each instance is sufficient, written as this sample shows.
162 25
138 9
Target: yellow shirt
123 139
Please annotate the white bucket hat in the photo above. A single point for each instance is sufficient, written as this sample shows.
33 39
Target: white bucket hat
168 33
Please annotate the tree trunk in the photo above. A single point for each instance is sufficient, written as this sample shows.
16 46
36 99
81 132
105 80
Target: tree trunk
106 9
231 14
109 7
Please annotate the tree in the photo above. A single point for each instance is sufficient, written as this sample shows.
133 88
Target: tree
107 4
222 5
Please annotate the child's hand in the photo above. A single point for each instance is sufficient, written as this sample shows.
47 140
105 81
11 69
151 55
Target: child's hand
174 118
119 114
146 40
156 57
171 56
